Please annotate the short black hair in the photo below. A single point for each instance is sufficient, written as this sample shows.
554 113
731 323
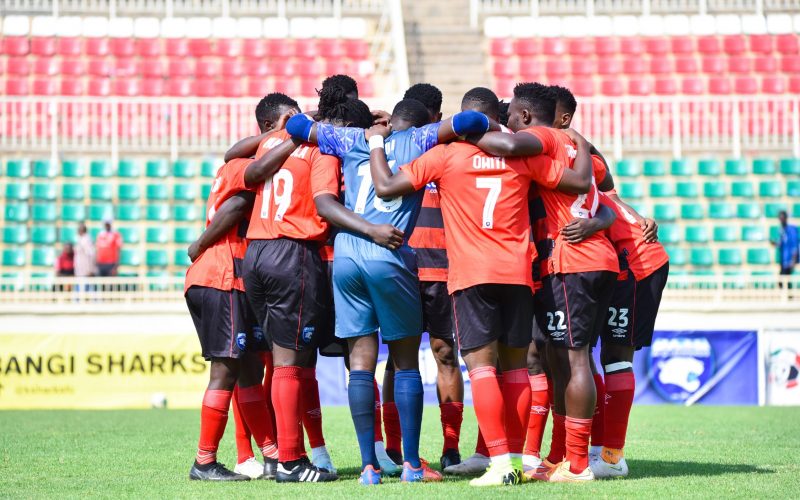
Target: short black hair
268 108
413 111
347 83
502 115
565 97
335 106
483 100
427 94
539 98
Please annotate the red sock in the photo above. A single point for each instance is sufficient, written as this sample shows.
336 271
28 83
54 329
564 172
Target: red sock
391 424
378 420
286 387
266 358
244 449
620 388
213 418
480 446
451 415
557 440
578 432
312 411
489 408
256 415
540 407
517 402
599 411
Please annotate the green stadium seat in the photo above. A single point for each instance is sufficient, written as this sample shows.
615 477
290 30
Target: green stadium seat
186 235
735 167
72 212
99 212
721 210
158 212
157 235
772 210
205 191
43 256
692 211
641 208
760 256
729 257
15 235
714 189
130 235
664 212
790 166
18 191
72 192
627 168
128 192
654 168
742 189
101 192
726 233
43 235
100 168
660 189
796 210
73 169
183 169
17 212
130 257
93 232
13 257
157 192
182 258
129 212
162 285
44 192
128 168
701 257
709 167
748 210
677 256
631 190
44 212
753 233
18 168
774 233
696 234
681 167
184 192
669 233
793 188
157 258
209 168
185 213
68 234
687 189
157 169
44 169
764 166
770 189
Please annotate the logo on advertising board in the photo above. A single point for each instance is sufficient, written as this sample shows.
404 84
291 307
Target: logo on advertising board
680 366
784 366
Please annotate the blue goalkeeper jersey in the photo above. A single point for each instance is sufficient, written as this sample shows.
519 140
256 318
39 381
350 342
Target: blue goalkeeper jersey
350 145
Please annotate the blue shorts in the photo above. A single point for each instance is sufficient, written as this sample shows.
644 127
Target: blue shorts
375 288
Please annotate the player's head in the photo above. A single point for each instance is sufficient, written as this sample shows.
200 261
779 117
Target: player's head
347 84
335 107
409 113
482 100
69 249
502 118
533 105
783 218
107 223
428 95
565 106
271 107
82 228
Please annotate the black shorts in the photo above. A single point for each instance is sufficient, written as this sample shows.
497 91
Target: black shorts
437 317
225 324
570 307
329 344
631 314
489 312
287 287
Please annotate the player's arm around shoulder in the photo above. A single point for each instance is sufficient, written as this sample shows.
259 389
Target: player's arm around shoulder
228 216
386 185
579 229
464 123
503 144
578 179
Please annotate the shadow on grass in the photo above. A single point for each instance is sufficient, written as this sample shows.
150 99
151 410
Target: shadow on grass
668 468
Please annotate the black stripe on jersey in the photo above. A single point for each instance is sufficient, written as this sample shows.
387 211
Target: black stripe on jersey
238 267
430 217
545 248
431 258
243 226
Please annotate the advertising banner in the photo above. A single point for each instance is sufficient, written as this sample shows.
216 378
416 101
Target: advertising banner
781 350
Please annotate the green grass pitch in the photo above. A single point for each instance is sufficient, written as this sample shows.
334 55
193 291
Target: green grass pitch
673 452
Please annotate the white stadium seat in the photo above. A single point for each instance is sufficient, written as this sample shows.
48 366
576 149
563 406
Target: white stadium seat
224 27
797 23
497 27
302 27
173 27
703 25
276 27
249 27
729 24
577 26
549 26
198 27
95 27
146 27
601 26
353 27
626 25
523 27
651 25
43 26
69 26
326 27
16 26
120 27
754 25
779 24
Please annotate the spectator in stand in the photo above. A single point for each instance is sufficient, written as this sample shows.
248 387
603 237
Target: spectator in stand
65 264
84 263
109 244
787 245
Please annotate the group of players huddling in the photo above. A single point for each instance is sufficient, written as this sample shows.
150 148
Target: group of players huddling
497 231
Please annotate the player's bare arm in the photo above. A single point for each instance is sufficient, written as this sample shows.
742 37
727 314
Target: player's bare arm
578 179
229 215
578 229
386 185
648 225
266 166
502 144
385 235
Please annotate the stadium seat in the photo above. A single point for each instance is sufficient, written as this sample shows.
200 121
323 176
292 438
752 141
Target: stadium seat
13 257
187 235
73 213
44 192
721 210
100 168
18 191
677 256
742 189
73 169
205 191
181 258
736 167
183 168
43 234
184 192
17 86
770 189
157 192
771 210
669 233
157 169
17 212
686 189
654 168
44 212
746 85
72 192
612 87
128 212
714 189
208 168
157 258
67 234
627 168
726 233
15 235
631 190
130 257
19 169
157 235
692 211
158 212
661 189
773 85
666 86
128 168
128 192
43 256
69 46
696 234
748 211
640 86
185 213
130 235
764 166
45 86
665 212
729 257
100 192
790 166
793 189
759 256
753 233
719 85
709 168
701 257
44 169
99 212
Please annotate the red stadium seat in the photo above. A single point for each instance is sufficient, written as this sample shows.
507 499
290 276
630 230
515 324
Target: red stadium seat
179 87
308 87
666 86
740 65
583 87
709 45
232 68
366 88
148 47
338 67
612 87
682 44
206 87
556 68
46 66
258 87
126 87
153 68
356 49
330 48
207 68
640 86
97 47
43 46
44 86
794 84
200 47
72 86
152 87
228 47
735 44
773 85
505 87
788 44
73 67
505 67
123 47
177 47
99 67
766 64
790 64
611 66
631 45
308 69
746 85
305 48
501 47
606 46
232 88
693 86
281 49
719 85
99 87
17 86
70 46
280 68
16 46
286 86
254 47
257 67
661 65
527 47
531 68
554 47
686 65
20 66
713 65
762 44
583 66
181 67
657 45
581 46
127 66
635 66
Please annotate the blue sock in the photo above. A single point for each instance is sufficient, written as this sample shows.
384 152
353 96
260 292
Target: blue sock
361 396
408 398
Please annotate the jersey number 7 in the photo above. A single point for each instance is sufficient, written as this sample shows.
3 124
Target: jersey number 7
494 185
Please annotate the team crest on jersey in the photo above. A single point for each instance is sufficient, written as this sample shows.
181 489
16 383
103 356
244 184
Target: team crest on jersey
241 341
681 366
258 333
308 334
